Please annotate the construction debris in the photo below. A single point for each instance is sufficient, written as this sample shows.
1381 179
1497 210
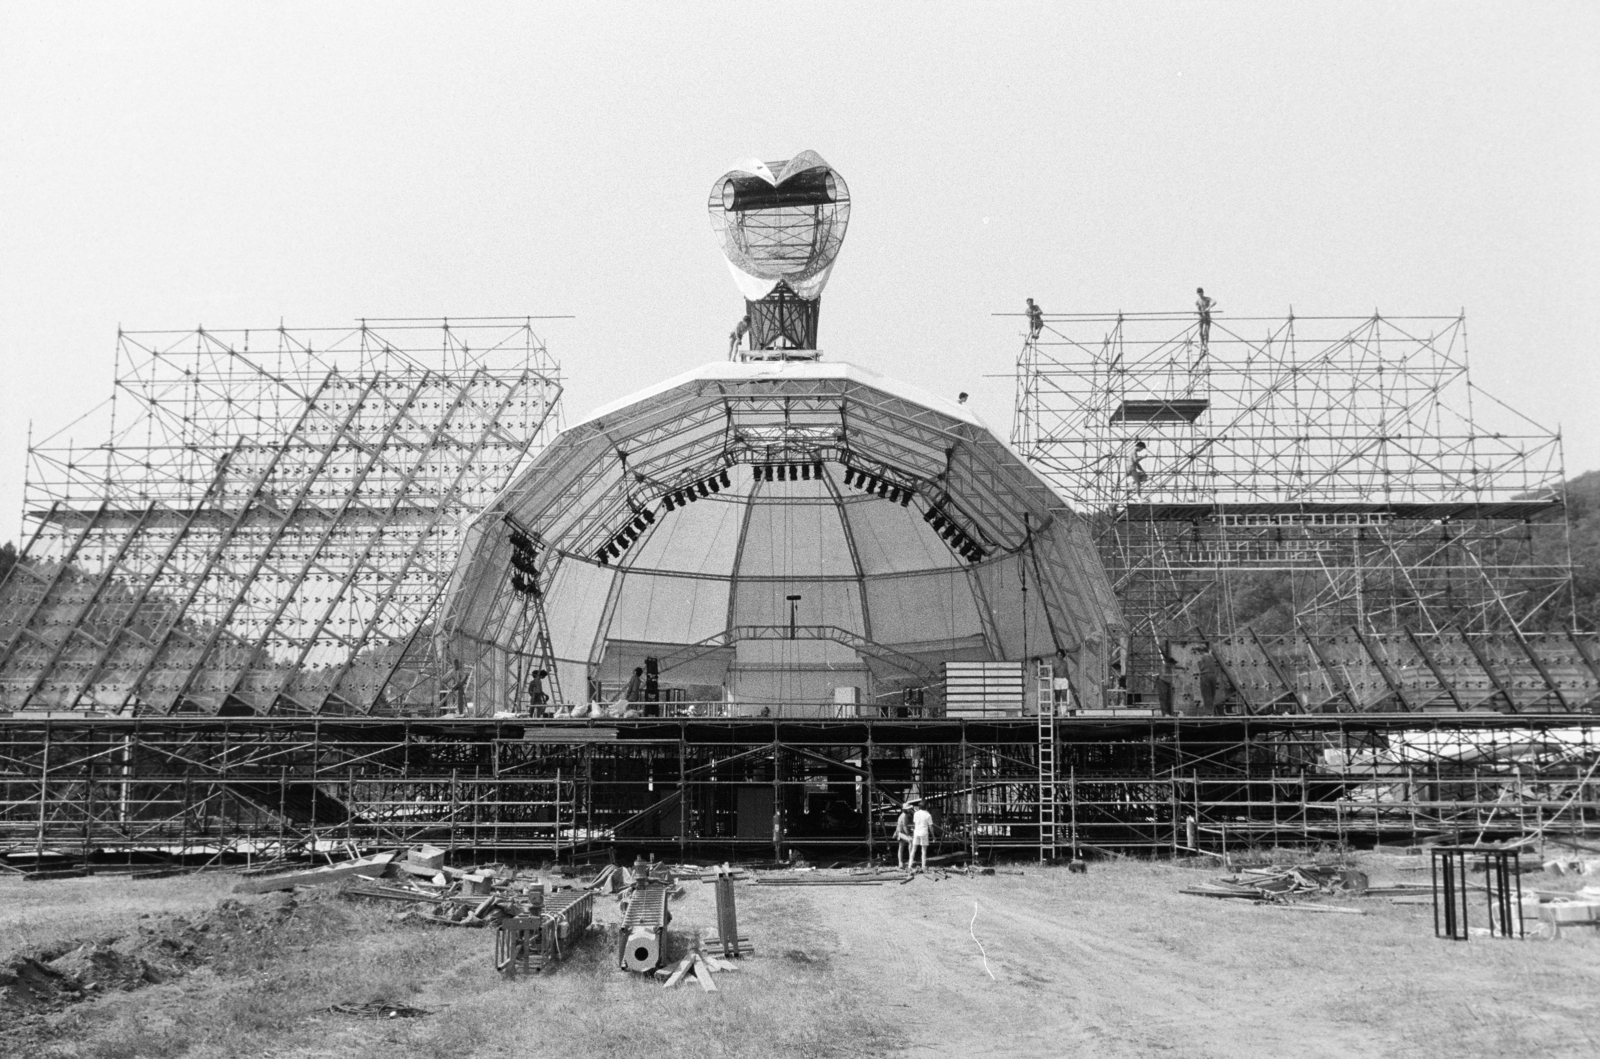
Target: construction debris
701 965
727 938
1280 884
371 867
644 925
378 1009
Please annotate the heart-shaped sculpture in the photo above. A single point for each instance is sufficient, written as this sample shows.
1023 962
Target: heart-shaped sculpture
780 222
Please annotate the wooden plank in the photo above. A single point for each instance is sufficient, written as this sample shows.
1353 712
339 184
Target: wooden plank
702 973
679 971
370 867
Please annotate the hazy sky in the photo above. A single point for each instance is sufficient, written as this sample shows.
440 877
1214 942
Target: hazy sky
170 166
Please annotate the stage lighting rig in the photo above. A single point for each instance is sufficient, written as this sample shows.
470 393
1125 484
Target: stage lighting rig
960 541
879 484
625 537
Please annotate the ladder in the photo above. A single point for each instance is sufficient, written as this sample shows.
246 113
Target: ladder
1047 761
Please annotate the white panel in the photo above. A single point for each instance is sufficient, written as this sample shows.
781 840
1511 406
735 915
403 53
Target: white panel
669 609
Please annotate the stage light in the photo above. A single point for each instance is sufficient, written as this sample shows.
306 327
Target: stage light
905 497
849 475
816 470
722 476
805 471
755 472
766 472
883 487
648 516
688 494
930 514
666 502
605 560
713 485
700 487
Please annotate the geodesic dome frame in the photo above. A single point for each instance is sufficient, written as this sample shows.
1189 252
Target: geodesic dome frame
778 529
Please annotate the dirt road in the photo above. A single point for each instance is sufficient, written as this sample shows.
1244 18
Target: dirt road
1117 963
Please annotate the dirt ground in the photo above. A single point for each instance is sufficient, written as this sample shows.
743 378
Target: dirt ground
1114 962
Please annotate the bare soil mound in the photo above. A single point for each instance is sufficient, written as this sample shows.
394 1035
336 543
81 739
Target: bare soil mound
160 949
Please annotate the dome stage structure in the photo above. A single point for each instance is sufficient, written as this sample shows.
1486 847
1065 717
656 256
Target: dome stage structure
769 533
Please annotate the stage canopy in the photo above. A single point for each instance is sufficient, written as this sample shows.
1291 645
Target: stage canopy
682 522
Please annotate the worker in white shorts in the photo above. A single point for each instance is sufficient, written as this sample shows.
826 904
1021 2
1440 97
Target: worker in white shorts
902 836
921 834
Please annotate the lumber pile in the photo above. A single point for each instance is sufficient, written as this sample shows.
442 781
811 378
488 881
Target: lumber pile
1279 885
702 965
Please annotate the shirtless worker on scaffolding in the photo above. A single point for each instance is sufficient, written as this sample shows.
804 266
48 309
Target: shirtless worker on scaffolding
1203 307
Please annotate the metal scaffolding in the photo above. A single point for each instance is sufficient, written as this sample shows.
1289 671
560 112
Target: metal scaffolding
197 787
1311 474
264 521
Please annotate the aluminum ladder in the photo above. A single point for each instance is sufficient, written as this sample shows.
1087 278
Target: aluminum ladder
1048 802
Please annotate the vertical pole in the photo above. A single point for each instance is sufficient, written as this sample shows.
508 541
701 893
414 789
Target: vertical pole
777 800
1305 808
88 811
454 779
44 787
283 795
1433 867
1177 816
866 801
683 799
1072 794
1274 797
1411 799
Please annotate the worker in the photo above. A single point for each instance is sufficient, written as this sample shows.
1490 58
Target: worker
537 699
921 834
634 692
1035 320
1203 307
1136 470
902 835
738 334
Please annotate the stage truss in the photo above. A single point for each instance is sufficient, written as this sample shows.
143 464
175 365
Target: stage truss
1308 475
264 521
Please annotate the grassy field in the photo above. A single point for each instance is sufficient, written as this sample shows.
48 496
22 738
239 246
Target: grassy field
1112 963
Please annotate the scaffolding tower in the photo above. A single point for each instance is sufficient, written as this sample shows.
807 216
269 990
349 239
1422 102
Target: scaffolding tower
1299 475
264 521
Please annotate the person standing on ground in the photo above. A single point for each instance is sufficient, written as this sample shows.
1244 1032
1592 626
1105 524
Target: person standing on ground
1035 320
921 834
1203 307
902 836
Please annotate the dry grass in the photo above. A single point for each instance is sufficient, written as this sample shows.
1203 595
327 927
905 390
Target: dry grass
51 914
1113 963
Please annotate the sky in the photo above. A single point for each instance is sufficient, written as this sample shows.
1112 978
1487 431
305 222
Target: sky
170 166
